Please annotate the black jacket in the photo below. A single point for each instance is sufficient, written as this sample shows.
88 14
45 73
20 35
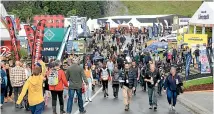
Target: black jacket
132 79
156 76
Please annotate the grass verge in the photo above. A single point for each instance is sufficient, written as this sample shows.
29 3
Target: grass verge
207 80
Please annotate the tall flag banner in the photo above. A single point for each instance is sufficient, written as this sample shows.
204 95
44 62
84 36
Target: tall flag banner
38 42
30 37
205 65
74 28
17 24
84 26
187 66
12 36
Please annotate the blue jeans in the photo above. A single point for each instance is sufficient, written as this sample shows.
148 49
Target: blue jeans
198 62
37 109
71 97
171 95
3 92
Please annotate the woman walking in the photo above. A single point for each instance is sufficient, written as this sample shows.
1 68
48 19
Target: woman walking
172 86
57 81
89 77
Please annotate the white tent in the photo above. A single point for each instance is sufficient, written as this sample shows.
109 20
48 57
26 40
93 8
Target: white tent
204 15
135 22
112 23
3 11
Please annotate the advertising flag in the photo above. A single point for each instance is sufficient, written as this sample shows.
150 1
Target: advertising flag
30 37
74 28
12 36
205 66
187 66
38 42
84 26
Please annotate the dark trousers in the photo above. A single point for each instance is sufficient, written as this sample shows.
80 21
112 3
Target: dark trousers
143 83
37 109
17 91
3 90
60 97
105 86
10 89
171 95
115 89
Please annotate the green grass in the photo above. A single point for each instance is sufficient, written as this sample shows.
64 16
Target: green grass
186 8
207 80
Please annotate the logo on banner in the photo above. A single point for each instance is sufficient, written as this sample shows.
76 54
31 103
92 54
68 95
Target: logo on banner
49 34
4 50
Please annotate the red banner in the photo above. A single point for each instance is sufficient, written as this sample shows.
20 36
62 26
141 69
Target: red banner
12 36
30 36
18 28
38 42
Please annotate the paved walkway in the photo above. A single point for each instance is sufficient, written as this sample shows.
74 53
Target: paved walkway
199 102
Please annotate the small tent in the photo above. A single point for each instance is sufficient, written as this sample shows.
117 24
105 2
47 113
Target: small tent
112 23
135 22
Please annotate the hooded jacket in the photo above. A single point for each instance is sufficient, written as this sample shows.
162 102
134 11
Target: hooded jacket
34 86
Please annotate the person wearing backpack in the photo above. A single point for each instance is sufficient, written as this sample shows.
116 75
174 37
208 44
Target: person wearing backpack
57 80
172 87
115 81
34 88
3 80
105 74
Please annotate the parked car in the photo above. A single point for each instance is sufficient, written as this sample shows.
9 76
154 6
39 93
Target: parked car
171 37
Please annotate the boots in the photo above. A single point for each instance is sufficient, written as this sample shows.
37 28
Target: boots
62 109
54 110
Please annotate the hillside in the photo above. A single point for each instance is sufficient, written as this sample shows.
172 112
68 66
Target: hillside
186 8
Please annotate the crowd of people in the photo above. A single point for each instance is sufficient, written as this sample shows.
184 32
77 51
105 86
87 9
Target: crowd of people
122 64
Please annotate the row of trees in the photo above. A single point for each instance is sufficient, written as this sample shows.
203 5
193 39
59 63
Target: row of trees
25 10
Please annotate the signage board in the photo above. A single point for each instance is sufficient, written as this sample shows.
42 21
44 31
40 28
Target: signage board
54 34
183 21
192 39
51 48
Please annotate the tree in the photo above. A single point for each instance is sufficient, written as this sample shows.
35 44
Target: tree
46 10
27 14
72 12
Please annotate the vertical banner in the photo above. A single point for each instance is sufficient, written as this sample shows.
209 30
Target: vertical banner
187 66
12 36
84 26
205 66
69 46
17 24
38 42
30 37
74 28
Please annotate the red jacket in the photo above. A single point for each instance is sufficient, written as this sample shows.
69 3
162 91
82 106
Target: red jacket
62 82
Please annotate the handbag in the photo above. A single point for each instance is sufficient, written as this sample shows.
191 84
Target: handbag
83 88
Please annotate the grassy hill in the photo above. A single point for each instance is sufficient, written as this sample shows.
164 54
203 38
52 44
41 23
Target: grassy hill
186 8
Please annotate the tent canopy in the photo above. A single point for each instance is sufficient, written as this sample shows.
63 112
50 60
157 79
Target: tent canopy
135 22
112 23
204 15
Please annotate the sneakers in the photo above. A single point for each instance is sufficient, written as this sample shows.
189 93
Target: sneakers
86 100
90 100
155 108
6 100
170 107
83 112
173 107
126 107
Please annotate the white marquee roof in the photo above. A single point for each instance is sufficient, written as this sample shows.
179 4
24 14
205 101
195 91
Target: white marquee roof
206 11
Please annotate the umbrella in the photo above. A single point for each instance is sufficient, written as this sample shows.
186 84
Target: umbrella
98 58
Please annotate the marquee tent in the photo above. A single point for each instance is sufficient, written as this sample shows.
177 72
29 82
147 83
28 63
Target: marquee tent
135 22
204 16
112 23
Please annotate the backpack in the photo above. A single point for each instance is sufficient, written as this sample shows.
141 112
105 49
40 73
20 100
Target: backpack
53 79
2 79
105 74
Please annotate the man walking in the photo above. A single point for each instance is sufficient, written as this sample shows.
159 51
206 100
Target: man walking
17 79
152 78
136 73
75 75
129 83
